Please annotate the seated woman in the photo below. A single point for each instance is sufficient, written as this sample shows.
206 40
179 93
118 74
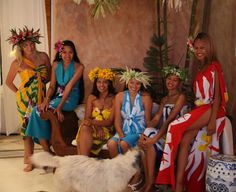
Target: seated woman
67 72
96 128
132 111
172 106
209 111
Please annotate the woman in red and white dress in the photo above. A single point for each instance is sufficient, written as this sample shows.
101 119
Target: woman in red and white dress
203 125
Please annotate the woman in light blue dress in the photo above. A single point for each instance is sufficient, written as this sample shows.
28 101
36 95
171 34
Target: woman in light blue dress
63 94
132 111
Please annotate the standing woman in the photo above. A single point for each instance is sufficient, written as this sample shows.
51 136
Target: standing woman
97 126
34 70
132 112
63 93
211 97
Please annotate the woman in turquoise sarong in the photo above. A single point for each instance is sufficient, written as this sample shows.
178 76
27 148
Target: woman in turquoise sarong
63 93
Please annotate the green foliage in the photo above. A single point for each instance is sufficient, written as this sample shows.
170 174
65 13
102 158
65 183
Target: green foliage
102 7
156 59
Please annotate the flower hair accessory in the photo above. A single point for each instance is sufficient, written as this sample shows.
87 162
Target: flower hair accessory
101 73
190 45
132 74
172 69
59 46
23 35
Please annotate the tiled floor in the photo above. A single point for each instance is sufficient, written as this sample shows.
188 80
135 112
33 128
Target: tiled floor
12 177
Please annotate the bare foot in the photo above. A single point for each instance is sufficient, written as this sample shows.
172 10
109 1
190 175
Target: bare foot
28 168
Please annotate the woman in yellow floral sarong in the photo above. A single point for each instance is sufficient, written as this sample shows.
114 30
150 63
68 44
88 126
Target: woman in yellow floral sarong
96 128
33 68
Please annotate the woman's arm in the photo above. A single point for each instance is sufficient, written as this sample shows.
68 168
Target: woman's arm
211 127
147 104
50 90
157 117
173 114
48 65
118 120
11 76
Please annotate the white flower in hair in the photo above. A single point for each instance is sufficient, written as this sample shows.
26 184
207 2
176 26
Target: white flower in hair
132 74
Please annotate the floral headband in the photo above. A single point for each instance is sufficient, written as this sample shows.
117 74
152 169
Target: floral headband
59 46
101 73
23 35
132 74
171 69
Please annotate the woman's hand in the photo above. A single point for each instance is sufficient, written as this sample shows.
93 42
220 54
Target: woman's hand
145 142
86 122
99 133
44 106
60 116
211 127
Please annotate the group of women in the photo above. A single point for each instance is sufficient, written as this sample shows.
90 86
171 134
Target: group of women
125 119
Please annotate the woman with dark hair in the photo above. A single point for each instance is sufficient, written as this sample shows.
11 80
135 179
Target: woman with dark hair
198 130
96 128
62 95
132 112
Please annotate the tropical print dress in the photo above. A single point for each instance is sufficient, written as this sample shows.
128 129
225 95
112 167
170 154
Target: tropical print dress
203 145
31 91
40 129
152 131
100 115
132 118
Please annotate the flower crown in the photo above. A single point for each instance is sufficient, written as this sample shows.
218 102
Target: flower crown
132 74
172 69
59 46
101 73
23 35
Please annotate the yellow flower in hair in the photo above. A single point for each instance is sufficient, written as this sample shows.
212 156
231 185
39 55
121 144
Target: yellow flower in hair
101 73
93 74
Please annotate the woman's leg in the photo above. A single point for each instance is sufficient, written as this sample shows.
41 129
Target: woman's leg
28 151
183 152
150 156
112 148
45 145
85 140
124 146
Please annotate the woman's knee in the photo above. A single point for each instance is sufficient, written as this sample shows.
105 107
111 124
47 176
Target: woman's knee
124 145
111 144
85 130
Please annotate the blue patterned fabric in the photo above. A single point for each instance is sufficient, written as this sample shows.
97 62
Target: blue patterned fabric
133 119
40 129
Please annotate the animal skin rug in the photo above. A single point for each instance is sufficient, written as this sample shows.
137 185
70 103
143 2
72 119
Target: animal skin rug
78 173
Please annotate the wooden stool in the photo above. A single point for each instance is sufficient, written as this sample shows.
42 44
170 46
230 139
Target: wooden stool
221 174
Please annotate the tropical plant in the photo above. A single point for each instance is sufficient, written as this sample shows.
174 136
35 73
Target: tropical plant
101 7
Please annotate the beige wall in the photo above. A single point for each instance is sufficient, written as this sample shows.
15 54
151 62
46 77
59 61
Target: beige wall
117 41
222 28
122 39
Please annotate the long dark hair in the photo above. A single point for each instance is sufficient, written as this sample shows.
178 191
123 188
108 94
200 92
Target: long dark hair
211 55
76 59
96 93
70 44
